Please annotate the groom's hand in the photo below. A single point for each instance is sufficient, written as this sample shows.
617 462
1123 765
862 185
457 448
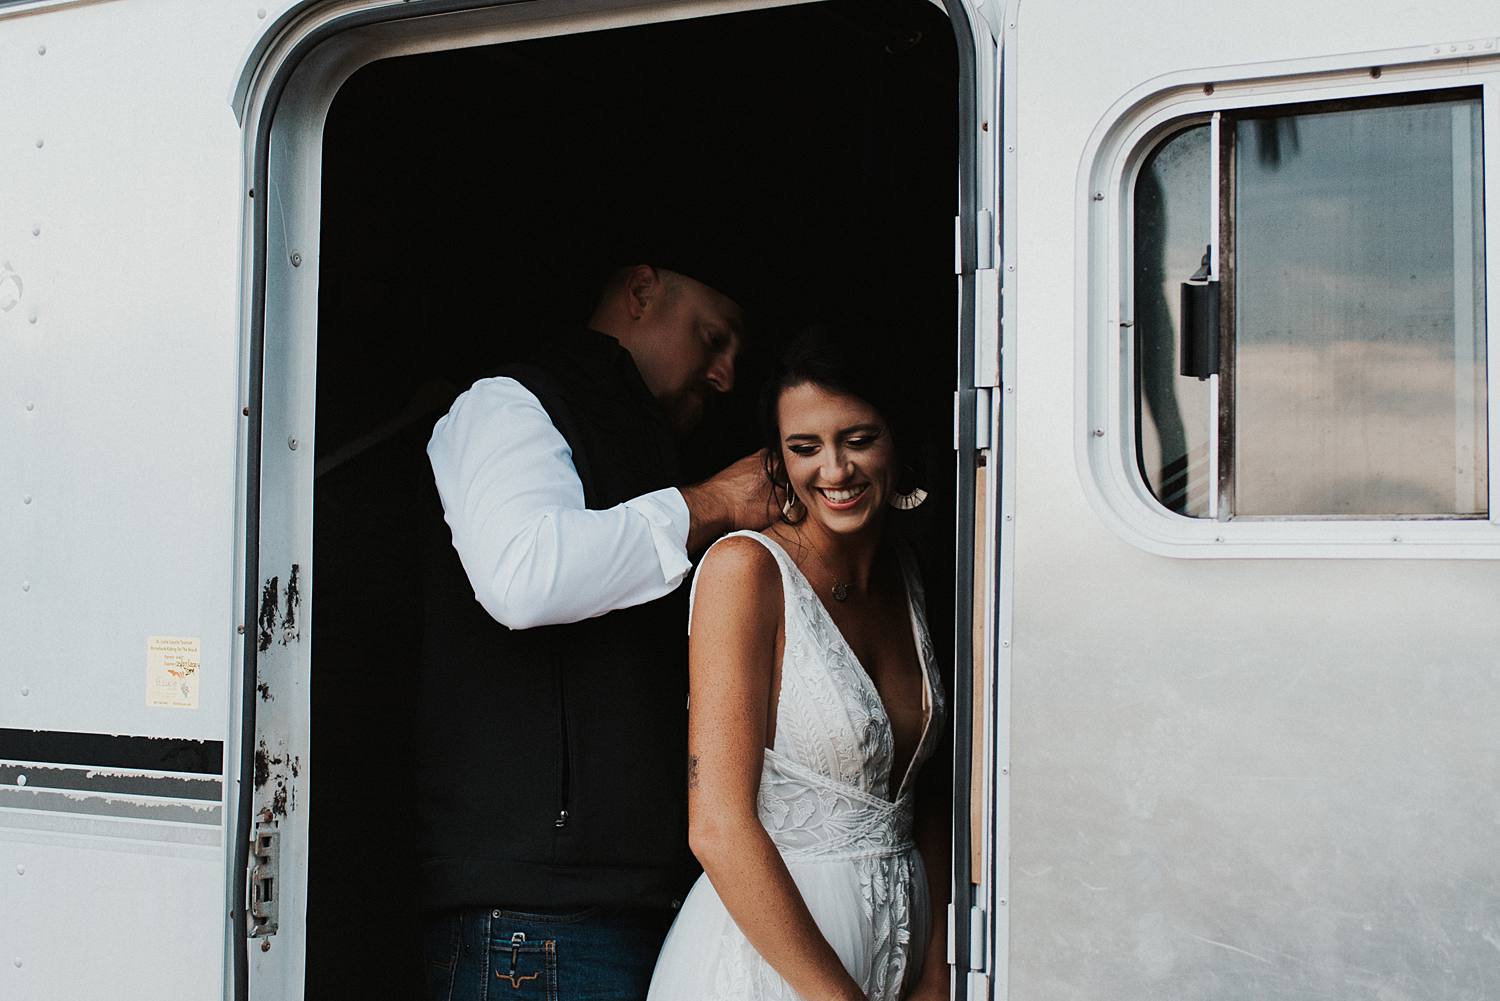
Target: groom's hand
738 496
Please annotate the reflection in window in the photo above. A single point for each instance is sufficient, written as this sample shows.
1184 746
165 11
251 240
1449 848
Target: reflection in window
1359 292
1172 204
1355 379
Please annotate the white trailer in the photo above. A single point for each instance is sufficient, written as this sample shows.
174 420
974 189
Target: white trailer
1229 642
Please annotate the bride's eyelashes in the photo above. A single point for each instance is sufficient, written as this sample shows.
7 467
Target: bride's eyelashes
806 448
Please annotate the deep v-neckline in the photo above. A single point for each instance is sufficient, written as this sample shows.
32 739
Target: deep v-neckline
929 704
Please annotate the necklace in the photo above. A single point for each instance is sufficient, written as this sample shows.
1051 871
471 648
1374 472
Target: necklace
840 590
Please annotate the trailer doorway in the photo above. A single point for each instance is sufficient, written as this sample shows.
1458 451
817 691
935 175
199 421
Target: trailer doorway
458 189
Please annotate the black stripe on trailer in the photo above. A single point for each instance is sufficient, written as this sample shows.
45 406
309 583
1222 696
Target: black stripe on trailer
103 750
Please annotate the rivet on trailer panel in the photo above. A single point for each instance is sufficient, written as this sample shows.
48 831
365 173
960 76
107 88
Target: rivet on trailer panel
296 259
36 230
30 406
21 779
261 13
41 50
20 869
40 142
26 585
17 961
25 691
291 443
32 317
25 498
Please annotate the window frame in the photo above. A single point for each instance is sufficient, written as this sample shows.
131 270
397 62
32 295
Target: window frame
1106 404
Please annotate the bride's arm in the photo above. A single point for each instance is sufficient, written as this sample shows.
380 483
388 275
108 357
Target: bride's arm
736 617
933 840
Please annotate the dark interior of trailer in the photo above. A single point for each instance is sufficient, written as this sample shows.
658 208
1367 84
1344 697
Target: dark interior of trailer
469 198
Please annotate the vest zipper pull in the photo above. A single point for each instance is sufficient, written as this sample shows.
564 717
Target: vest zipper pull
562 819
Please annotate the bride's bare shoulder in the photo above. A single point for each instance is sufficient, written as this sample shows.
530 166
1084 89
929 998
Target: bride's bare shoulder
737 611
738 588
739 561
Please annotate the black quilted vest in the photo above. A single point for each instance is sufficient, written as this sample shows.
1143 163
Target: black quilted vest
551 761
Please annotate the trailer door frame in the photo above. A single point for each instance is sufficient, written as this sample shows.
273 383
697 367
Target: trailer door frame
282 95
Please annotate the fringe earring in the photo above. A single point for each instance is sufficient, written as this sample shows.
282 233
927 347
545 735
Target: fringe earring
913 498
910 499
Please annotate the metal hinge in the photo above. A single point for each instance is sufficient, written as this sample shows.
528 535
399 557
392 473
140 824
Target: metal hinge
978 978
265 849
984 241
987 327
984 399
978 932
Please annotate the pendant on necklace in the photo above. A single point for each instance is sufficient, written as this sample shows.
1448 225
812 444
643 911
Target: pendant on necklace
840 591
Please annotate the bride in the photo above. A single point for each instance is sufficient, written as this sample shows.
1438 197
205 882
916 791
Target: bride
814 702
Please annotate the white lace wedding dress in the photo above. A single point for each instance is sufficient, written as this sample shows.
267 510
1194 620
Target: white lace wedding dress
825 798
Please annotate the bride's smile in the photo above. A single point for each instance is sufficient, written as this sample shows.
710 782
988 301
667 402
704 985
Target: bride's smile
838 456
842 499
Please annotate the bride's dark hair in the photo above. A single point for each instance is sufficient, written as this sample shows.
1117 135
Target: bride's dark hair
853 359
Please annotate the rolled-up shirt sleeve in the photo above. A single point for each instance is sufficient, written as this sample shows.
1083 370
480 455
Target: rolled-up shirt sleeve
533 552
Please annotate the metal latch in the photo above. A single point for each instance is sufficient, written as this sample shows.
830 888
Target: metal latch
1198 352
265 849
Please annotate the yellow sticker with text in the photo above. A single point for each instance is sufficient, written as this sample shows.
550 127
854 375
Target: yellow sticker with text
172 671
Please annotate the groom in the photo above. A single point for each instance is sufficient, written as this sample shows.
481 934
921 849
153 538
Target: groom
552 698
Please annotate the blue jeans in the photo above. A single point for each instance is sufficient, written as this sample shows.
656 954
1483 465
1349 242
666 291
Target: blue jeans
598 954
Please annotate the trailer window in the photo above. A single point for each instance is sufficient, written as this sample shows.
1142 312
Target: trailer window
1171 230
1310 316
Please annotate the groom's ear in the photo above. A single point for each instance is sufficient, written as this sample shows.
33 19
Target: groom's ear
643 285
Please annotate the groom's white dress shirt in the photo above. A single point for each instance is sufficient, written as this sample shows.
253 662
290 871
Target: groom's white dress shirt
534 554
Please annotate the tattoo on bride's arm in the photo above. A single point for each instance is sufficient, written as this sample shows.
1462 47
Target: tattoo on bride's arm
692 771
